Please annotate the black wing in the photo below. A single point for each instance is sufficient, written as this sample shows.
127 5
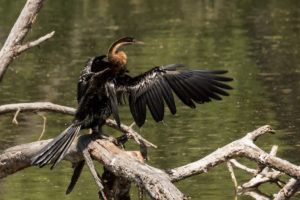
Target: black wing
155 86
93 65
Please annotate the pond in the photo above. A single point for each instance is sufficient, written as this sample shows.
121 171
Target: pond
256 41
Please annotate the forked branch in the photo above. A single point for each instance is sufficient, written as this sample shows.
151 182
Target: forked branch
13 45
157 182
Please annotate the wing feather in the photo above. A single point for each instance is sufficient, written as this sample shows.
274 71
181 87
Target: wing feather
156 85
166 92
180 91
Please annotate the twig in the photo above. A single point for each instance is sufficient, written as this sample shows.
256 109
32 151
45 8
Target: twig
255 194
15 121
130 133
230 169
35 42
44 125
240 166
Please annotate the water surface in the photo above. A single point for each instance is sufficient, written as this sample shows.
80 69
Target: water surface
256 41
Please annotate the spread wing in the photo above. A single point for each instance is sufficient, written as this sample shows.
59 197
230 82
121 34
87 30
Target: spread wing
155 87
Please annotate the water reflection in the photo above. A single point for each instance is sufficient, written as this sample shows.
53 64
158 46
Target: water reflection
257 41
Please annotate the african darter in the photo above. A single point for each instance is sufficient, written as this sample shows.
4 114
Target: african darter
102 85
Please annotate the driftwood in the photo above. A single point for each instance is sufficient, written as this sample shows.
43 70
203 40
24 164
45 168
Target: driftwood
13 45
129 165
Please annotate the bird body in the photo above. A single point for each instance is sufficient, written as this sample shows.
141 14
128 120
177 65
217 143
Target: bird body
102 85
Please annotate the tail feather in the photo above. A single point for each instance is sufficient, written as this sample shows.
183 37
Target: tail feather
57 148
56 151
52 148
65 148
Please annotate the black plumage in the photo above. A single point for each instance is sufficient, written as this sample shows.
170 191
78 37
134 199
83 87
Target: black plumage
155 87
103 84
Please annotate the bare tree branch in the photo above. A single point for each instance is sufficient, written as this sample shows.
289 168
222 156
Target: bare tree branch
288 190
243 167
15 121
35 42
230 169
263 175
255 194
156 182
121 163
13 45
44 125
243 147
50 107
37 106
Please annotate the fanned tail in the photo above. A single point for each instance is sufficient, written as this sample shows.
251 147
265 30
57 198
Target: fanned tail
57 148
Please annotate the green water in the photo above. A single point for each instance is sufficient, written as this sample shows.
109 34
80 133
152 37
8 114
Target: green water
257 41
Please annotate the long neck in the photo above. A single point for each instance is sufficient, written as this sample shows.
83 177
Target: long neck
112 51
118 60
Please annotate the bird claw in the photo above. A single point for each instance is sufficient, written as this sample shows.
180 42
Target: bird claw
122 140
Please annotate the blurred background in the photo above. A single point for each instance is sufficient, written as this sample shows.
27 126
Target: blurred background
256 41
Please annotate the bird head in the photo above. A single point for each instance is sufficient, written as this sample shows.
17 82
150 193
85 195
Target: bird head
116 56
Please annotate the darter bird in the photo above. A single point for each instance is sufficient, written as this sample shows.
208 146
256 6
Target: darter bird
103 84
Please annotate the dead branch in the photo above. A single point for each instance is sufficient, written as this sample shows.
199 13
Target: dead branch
230 169
35 42
255 194
243 147
37 106
263 175
50 107
157 182
243 167
13 45
125 164
288 190
15 121
44 125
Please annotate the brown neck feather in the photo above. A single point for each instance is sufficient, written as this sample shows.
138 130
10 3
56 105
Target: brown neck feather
112 51
118 58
